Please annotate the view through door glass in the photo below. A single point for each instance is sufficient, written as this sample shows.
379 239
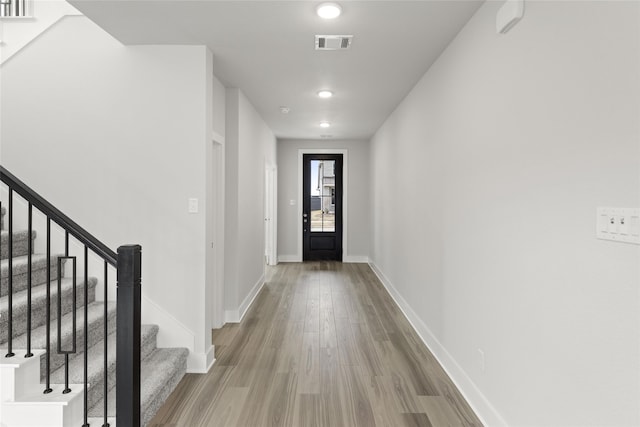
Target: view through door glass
322 207
323 196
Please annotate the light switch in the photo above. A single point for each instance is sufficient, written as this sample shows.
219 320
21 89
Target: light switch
623 224
612 224
292 202
193 205
603 222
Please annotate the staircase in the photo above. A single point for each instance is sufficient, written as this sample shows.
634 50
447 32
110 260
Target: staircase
23 380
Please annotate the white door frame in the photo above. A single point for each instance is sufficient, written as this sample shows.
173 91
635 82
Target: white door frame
345 199
271 214
217 246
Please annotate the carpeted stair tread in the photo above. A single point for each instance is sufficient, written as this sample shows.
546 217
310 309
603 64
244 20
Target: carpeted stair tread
20 268
20 243
20 264
161 372
95 364
39 304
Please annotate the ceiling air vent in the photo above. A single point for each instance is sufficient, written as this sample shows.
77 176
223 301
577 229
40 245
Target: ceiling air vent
333 42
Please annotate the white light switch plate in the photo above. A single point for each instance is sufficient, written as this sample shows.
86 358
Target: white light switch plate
193 205
618 224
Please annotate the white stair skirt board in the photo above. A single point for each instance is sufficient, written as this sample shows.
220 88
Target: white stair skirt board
472 394
174 333
54 409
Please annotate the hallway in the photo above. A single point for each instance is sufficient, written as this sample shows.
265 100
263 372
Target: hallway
322 345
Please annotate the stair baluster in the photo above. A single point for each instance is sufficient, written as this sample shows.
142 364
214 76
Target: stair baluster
86 337
48 388
29 278
106 347
10 352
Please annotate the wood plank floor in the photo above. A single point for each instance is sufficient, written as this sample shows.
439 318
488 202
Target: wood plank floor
322 345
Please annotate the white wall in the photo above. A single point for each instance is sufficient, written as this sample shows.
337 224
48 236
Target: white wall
249 146
357 220
485 185
115 136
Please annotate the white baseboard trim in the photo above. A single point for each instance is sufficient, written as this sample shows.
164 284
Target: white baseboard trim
478 402
289 258
236 316
231 316
355 259
200 363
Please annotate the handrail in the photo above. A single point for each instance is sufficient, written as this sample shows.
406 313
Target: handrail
58 217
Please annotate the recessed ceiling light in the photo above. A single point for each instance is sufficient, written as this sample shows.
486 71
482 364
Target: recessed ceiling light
325 94
285 110
329 10
325 124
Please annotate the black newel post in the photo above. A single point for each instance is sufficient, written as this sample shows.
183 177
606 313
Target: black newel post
128 336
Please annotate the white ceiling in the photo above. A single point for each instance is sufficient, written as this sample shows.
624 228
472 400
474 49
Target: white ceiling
266 48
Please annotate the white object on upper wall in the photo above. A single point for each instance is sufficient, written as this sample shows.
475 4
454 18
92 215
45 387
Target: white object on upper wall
509 15
19 31
15 8
618 224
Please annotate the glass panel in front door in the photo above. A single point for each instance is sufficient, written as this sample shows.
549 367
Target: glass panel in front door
323 196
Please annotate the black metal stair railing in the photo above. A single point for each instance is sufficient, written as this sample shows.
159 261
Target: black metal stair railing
126 262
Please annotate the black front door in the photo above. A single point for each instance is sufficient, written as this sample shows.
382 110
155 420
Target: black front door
322 207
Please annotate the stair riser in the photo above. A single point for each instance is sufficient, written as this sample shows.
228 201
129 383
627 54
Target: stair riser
60 411
38 310
18 374
20 245
20 279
